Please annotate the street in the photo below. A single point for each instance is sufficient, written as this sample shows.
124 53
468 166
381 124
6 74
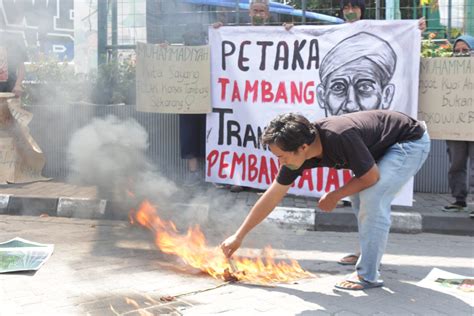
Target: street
111 268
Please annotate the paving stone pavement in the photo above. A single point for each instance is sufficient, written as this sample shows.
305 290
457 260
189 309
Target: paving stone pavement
105 267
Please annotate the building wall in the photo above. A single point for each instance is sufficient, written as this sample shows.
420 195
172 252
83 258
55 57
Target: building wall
44 26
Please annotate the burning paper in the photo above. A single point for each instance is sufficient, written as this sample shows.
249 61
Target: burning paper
193 250
19 254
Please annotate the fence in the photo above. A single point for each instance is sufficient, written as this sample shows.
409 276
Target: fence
53 126
122 23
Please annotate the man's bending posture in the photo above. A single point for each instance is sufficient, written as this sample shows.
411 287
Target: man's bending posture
384 149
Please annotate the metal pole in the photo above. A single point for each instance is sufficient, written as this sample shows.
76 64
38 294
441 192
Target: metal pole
303 8
414 15
237 12
469 25
450 2
114 28
377 9
101 32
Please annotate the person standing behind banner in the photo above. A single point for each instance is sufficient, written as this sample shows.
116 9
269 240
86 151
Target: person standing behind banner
354 10
461 153
192 127
259 13
12 68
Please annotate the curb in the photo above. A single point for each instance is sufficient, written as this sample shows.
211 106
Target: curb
406 223
283 217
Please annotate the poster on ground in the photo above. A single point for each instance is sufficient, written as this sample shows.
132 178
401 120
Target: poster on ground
19 254
459 286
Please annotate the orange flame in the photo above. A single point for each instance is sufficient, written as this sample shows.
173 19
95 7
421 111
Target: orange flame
192 248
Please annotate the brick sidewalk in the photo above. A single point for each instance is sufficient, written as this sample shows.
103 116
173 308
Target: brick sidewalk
110 268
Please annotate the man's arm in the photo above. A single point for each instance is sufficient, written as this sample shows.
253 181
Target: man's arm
264 206
329 200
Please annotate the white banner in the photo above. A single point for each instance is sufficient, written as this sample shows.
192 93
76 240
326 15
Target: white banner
260 72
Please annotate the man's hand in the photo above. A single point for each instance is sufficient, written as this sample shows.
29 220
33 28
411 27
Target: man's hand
17 90
217 25
422 24
230 245
328 202
288 26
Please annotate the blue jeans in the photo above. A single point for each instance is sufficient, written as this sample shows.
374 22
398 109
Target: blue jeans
372 205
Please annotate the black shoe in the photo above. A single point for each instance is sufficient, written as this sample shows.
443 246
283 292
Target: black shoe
471 215
455 207
346 203
236 189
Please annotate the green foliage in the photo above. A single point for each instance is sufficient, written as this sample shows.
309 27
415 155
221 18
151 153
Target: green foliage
115 82
50 81
435 48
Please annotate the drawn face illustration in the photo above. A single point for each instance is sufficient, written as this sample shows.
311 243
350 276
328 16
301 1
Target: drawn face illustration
355 86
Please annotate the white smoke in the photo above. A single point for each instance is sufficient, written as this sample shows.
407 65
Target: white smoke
111 154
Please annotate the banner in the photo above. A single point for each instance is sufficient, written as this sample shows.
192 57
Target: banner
260 72
447 97
173 79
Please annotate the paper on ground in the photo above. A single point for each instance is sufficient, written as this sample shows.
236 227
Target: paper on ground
464 293
19 254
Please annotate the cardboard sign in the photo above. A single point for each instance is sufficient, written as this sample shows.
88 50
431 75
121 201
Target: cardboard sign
447 97
21 159
173 79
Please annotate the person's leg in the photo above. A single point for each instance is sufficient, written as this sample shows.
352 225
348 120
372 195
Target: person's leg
351 259
396 167
471 167
193 164
457 174
471 174
190 146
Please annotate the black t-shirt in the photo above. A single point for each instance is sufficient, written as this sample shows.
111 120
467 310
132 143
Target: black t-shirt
12 54
356 141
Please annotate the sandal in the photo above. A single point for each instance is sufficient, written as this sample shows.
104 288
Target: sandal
358 285
349 260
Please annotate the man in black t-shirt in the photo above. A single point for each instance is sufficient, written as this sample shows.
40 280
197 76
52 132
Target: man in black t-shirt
383 148
12 59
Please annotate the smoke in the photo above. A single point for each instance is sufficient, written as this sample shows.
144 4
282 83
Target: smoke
111 154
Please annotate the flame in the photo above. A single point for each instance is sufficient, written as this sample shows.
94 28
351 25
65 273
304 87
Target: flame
193 250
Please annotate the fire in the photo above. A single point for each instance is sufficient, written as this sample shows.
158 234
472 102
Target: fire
193 250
